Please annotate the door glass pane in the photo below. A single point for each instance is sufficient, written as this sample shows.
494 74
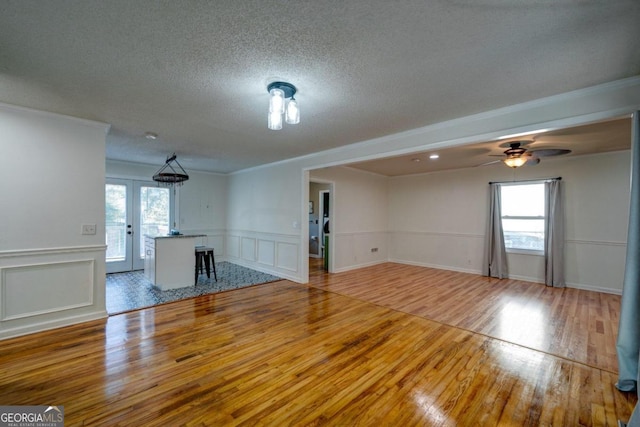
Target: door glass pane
154 213
116 221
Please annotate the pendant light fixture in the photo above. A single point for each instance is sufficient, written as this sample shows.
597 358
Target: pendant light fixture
281 102
169 175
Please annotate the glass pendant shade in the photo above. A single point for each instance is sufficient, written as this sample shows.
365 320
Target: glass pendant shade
282 103
276 102
515 162
274 121
293 113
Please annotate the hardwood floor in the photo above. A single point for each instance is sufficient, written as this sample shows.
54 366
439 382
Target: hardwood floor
377 346
569 323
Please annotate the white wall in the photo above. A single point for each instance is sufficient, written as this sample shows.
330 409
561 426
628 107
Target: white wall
436 220
258 215
268 221
359 211
51 183
203 209
201 203
54 183
439 219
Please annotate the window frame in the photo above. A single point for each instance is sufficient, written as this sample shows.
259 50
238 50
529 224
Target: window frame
524 251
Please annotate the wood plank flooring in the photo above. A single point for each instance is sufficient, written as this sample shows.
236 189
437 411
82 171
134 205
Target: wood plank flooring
289 354
574 324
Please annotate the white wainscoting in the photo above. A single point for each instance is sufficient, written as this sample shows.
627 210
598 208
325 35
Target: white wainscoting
595 265
447 251
48 288
590 265
248 248
215 238
359 249
267 252
34 289
271 253
287 256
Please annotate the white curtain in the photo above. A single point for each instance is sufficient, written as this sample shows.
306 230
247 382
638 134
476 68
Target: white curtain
554 234
628 343
495 254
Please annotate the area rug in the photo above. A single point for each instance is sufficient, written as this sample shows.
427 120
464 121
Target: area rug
132 290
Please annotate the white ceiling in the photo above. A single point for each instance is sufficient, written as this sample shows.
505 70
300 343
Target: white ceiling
611 135
195 72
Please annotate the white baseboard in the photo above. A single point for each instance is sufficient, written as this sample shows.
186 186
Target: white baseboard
257 267
357 266
595 288
513 277
437 266
526 279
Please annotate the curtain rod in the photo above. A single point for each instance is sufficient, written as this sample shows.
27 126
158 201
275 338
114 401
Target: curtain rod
525 180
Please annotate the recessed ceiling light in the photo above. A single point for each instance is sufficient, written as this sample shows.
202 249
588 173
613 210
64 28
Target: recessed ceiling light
434 156
151 135
415 160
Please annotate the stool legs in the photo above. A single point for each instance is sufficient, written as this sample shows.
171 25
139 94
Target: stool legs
199 256
207 264
205 259
211 260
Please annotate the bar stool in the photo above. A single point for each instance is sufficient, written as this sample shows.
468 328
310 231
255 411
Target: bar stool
205 259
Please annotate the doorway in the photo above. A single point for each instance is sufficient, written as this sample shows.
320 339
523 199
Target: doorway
132 210
319 214
324 197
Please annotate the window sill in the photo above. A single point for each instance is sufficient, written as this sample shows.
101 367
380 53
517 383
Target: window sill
525 252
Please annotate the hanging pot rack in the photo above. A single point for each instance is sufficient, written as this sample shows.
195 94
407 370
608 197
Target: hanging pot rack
169 175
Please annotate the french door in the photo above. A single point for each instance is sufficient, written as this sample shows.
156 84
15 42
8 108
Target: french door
133 209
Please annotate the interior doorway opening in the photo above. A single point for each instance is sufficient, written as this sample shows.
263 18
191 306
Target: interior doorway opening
320 212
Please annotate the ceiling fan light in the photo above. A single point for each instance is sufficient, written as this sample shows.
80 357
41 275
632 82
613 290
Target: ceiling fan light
514 162
293 112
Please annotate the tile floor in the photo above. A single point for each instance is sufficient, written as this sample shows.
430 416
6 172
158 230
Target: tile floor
132 290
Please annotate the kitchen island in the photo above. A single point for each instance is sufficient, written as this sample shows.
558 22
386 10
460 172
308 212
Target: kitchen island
169 261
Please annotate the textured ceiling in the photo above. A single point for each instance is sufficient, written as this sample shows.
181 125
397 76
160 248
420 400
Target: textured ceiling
195 72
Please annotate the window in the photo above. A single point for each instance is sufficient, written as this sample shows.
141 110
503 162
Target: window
523 216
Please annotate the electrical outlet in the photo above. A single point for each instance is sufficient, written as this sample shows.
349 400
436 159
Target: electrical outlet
88 229
374 249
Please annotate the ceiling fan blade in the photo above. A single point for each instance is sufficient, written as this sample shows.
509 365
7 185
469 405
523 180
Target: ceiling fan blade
532 161
490 163
549 152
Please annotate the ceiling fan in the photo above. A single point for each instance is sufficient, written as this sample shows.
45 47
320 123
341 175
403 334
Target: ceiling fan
517 155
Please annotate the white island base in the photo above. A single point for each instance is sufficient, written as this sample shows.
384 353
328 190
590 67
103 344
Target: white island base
170 260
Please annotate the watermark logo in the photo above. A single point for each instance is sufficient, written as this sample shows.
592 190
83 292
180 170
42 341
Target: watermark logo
32 416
